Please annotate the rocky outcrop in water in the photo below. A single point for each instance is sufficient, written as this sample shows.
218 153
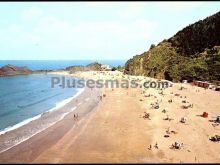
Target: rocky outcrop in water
9 70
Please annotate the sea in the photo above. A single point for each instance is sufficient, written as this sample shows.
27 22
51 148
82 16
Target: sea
58 64
24 98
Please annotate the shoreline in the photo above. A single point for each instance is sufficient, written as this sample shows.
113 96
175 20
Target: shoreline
12 136
116 131
57 106
75 108
26 121
49 134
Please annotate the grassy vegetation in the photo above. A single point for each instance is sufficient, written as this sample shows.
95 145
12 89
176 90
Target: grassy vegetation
94 66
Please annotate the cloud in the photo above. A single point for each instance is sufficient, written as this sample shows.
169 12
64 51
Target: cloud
60 35
101 4
32 13
125 10
179 6
54 33
132 10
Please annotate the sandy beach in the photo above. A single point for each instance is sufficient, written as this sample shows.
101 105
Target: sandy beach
115 131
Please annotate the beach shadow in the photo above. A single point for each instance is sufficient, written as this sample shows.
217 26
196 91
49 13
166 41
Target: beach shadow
199 115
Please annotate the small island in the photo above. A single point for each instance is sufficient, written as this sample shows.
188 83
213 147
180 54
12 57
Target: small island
10 70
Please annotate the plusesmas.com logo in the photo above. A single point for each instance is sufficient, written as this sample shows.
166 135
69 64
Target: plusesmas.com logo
64 82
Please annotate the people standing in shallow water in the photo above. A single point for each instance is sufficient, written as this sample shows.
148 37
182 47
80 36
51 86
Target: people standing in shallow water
76 116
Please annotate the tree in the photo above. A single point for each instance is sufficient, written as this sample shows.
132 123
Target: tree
114 68
152 46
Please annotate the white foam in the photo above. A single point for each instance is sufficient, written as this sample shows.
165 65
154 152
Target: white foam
19 124
61 118
58 105
64 102
73 109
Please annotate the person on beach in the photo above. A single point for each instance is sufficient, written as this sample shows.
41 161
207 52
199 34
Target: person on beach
76 116
156 146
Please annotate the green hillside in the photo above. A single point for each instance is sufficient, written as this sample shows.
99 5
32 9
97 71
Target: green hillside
192 53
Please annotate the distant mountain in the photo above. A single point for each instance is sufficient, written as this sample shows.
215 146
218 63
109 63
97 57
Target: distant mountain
192 53
13 70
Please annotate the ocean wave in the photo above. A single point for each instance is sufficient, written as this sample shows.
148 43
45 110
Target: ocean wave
22 107
39 101
12 93
19 124
58 105
64 102
40 130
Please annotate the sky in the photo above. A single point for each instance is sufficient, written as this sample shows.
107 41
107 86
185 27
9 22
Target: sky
92 30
